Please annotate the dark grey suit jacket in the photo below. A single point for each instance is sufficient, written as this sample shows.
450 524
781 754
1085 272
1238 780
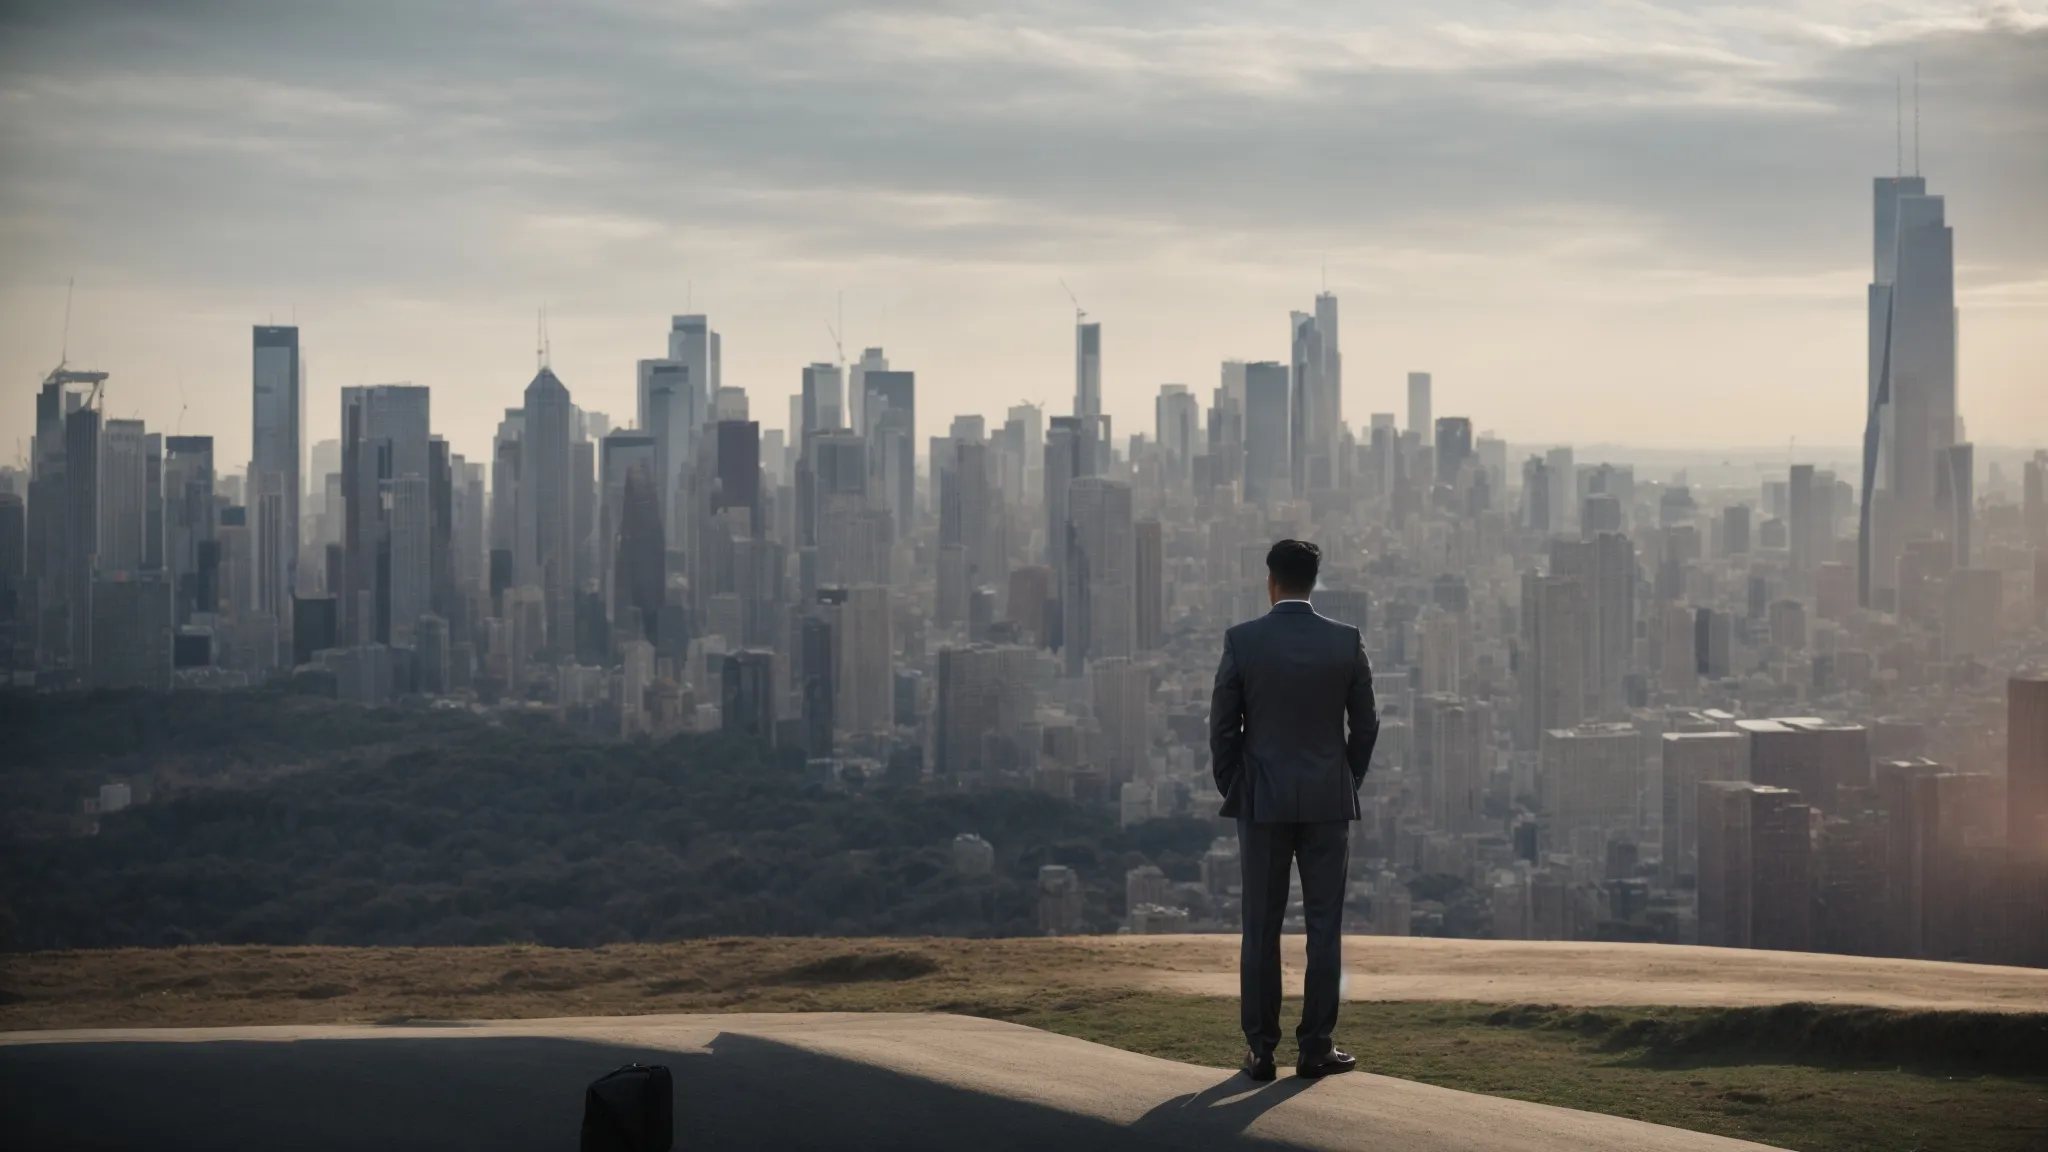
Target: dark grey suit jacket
1288 683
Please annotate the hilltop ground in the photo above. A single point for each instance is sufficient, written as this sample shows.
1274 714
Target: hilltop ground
1939 1056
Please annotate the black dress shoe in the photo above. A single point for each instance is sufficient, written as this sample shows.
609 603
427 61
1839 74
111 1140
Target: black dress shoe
1258 1066
1328 1064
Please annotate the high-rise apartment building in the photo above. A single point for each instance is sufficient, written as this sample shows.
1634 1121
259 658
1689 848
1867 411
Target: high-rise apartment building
1552 656
1690 759
1755 863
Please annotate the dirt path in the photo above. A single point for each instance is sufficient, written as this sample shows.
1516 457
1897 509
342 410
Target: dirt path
222 986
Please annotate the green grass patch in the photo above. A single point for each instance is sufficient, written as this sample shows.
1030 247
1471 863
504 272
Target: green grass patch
1790 1076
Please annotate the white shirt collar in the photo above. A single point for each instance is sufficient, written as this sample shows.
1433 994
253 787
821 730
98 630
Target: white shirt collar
1293 600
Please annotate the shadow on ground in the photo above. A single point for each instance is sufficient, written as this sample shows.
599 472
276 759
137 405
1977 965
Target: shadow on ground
513 1094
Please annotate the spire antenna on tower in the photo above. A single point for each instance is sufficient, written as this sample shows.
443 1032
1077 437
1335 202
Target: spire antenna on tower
64 354
1916 117
1899 125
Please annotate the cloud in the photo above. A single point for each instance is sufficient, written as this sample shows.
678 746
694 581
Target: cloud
479 154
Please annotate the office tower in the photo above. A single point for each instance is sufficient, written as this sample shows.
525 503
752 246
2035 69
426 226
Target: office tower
1911 411
546 556
1809 756
1605 567
410 557
889 423
747 694
1536 511
1030 604
1450 747
1564 490
1551 662
737 482
131 629
1309 438
123 496
152 500
1591 778
1063 453
820 401
1029 422
280 425
503 532
969 691
1959 490
817 670
1149 572
693 344
1099 602
634 535
2026 767
191 555
1329 411
1453 448
1735 530
668 412
1420 420
1176 422
1267 432
81 530
1755 865
385 437
1087 369
1122 699
866 661
871 360
1802 525
1691 758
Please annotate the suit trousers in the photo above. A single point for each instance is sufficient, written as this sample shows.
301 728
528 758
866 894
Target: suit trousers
1323 852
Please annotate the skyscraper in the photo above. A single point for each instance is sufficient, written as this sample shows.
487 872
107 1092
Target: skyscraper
669 412
693 344
1149 567
1420 417
1911 412
1755 866
1551 661
1087 369
1100 604
280 425
546 558
889 424
1268 431
385 434
1690 758
123 496
1176 424
820 396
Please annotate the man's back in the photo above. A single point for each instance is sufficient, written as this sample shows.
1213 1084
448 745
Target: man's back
1288 683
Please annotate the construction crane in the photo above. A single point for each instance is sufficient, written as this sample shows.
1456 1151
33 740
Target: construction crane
1080 313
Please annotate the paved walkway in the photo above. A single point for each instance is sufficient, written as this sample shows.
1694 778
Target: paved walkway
795 1081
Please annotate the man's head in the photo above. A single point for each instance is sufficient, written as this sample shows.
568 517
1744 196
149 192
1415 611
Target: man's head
1291 567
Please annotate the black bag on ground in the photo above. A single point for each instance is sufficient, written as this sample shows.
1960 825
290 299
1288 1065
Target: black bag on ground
630 1110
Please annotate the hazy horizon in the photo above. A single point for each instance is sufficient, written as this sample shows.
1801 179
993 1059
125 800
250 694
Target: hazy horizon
1593 222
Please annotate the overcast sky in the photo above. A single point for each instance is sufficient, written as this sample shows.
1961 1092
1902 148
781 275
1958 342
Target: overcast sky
1594 221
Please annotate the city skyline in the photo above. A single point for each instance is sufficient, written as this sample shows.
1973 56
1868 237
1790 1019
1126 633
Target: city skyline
1582 271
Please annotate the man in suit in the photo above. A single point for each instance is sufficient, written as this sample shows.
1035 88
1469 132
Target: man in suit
1289 773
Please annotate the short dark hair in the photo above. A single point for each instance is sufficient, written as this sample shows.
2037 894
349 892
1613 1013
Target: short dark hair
1293 565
